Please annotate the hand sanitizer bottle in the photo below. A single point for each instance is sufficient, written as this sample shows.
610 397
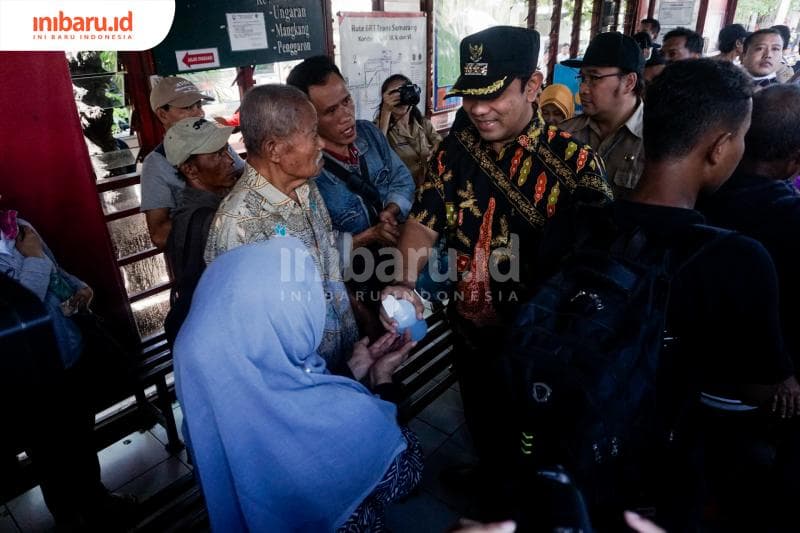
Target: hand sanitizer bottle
404 313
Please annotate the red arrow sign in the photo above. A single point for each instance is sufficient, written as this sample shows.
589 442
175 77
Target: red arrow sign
193 60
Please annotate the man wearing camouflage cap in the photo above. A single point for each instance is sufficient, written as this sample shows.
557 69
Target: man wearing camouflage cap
171 100
199 150
499 184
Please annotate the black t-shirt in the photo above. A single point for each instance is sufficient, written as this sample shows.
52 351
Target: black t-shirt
723 304
768 211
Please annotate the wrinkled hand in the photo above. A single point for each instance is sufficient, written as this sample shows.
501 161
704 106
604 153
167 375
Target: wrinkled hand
29 244
390 214
361 359
400 292
387 343
365 355
82 298
470 526
786 401
384 367
386 233
381 233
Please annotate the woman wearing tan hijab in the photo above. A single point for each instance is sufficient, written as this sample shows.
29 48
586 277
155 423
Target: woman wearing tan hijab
557 104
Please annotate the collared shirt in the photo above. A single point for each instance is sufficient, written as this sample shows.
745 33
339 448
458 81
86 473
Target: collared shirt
765 81
386 172
414 145
623 151
257 211
508 212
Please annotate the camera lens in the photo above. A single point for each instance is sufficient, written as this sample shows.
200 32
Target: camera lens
409 94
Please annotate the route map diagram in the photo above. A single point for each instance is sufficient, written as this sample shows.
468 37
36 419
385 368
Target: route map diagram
376 45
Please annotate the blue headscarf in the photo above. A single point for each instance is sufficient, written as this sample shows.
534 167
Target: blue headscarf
279 443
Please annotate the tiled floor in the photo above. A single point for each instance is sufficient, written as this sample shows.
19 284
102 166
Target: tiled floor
139 464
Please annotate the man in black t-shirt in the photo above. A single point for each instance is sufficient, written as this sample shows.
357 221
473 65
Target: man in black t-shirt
761 202
723 304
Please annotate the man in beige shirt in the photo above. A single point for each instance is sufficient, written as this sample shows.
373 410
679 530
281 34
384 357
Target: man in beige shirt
610 93
274 198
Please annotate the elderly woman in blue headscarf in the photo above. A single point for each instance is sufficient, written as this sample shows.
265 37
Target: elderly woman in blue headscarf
279 443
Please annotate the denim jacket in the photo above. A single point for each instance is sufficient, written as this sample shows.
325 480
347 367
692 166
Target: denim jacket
386 171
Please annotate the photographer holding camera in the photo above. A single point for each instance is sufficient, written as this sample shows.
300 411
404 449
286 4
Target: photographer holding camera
410 134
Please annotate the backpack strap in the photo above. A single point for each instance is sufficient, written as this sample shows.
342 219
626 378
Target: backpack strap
359 185
699 239
194 246
181 294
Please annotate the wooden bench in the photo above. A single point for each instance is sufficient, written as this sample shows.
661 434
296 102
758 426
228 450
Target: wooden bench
428 372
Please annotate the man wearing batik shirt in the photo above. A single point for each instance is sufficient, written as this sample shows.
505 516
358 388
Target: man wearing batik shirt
501 188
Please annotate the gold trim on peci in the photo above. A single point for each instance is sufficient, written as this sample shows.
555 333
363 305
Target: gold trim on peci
481 90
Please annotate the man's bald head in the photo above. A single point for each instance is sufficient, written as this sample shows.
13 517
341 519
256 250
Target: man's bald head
773 133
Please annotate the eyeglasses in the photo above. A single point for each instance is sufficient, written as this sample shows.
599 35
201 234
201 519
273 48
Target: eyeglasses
592 79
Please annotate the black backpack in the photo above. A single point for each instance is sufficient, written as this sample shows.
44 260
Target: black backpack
583 357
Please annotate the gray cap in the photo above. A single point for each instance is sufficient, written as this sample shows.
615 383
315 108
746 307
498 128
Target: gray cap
192 136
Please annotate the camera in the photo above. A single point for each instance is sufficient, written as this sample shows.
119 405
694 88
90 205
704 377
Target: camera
409 94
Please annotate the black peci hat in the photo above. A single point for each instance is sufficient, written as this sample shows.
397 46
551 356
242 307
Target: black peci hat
611 49
492 58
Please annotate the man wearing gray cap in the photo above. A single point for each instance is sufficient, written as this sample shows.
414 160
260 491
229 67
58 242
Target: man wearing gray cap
501 188
171 100
199 150
611 123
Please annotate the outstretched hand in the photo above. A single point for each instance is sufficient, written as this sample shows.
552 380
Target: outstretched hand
365 355
383 368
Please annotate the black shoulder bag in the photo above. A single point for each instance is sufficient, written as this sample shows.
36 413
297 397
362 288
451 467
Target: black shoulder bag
359 185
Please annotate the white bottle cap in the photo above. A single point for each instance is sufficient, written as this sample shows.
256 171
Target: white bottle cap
390 305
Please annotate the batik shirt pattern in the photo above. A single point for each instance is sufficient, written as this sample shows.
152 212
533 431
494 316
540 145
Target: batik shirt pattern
257 211
479 199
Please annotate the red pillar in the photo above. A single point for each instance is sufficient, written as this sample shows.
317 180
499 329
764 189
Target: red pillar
47 176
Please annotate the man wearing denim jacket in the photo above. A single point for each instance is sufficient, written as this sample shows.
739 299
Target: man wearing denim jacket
356 147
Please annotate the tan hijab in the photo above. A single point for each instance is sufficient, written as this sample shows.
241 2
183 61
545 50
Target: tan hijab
559 96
